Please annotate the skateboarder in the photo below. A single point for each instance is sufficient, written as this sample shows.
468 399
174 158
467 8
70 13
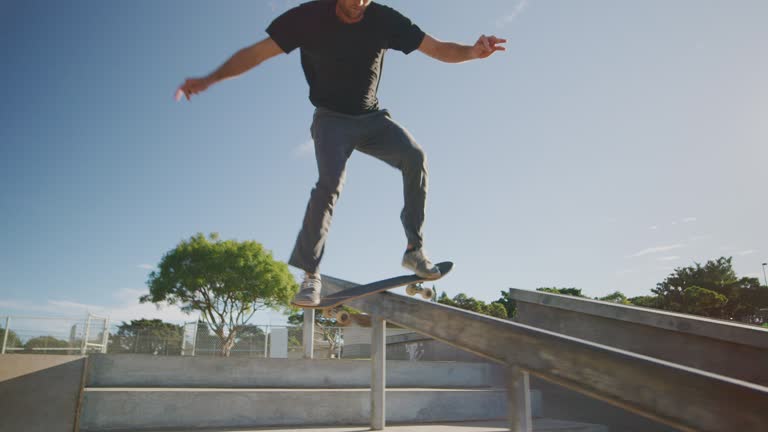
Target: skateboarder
342 45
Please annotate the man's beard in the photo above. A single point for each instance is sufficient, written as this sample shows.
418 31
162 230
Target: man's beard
350 14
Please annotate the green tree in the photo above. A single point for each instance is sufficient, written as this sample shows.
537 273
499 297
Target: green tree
700 289
646 301
12 341
469 303
576 292
147 336
616 297
444 299
509 304
462 301
497 310
701 301
226 281
40 342
327 327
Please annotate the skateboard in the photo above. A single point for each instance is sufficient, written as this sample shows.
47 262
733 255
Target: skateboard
330 304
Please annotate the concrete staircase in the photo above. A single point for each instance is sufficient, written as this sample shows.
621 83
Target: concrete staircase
142 393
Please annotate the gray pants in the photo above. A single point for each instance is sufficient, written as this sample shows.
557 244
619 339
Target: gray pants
336 136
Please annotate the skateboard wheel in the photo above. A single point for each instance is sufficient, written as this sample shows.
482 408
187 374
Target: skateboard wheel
329 313
412 289
343 318
427 293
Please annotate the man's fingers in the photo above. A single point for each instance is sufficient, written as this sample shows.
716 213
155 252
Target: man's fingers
484 41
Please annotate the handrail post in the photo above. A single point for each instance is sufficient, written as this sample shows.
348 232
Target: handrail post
378 373
7 331
308 335
105 336
86 334
519 400
267 336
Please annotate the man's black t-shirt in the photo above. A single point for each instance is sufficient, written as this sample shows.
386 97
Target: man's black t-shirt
342 62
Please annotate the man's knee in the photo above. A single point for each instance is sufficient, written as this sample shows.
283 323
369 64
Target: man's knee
328 188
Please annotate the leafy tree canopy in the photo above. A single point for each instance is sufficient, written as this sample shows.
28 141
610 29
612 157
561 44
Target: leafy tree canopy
713 290
147 336
12 341
462 301
576 292
226 281
46 342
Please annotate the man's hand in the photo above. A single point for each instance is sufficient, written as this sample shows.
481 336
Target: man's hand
487 45
193 86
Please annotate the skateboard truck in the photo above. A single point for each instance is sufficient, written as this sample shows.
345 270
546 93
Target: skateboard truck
418 288
342 317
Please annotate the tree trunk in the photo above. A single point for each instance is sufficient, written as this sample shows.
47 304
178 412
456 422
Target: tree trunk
227 342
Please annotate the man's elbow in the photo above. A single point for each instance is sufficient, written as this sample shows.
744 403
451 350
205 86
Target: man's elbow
262 51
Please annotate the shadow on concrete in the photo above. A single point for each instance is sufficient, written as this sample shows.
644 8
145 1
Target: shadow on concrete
565 404
41 401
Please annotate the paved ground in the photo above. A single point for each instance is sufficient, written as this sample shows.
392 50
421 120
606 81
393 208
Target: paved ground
539 425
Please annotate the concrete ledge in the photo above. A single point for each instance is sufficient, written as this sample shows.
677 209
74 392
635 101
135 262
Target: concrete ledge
725 348
727 331
140 409
135 370
39 393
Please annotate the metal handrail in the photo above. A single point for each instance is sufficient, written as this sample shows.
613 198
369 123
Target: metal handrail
679 396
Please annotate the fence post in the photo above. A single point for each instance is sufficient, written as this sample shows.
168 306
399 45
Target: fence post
85 335
194 340
105 336
519 400
266 341
7 330
309 333
378 373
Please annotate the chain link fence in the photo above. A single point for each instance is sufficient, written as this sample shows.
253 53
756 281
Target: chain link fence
94 334
43 335
198 339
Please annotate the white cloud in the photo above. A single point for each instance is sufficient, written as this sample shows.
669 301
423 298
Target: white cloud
304 150
657 249
700 237
125 307
624 272
746 252
669 258
653 227
518 8
689 220
146 266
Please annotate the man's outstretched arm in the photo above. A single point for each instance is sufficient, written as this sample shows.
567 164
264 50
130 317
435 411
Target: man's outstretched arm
450 52
241 62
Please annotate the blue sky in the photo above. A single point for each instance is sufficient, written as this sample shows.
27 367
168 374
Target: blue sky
610 143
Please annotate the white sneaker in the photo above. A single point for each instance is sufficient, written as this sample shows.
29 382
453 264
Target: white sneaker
417 261
309 295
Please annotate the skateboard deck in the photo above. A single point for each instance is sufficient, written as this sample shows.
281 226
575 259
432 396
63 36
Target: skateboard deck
343 296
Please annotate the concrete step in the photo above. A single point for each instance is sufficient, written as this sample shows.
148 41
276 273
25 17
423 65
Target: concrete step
539 425
140 409
136 370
